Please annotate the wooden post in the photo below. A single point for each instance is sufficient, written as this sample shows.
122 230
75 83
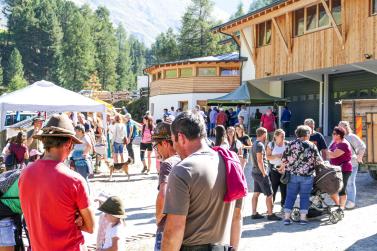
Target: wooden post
243 36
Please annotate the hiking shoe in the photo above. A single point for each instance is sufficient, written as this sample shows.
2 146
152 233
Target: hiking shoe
273 217
287 222
257 216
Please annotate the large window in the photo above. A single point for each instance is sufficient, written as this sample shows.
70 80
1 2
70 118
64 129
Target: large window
374 7
229 71
206 72
264 33
314 17
171 73
185 72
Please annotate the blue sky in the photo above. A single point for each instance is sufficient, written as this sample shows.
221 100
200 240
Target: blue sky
225 8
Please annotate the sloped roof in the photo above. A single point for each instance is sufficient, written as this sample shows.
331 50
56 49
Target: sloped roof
274 3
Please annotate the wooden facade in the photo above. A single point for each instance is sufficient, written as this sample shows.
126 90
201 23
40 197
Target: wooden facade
354 40
162 84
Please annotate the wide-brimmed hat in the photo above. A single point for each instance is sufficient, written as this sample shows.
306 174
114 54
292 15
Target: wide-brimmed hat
113 206
162 132
59 126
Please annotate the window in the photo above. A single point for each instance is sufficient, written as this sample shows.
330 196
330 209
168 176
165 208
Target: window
264 33
185 72
171 73
374 7
299 18
205 72
315 17
229 71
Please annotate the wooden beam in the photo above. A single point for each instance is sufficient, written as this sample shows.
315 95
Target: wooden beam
288 25
236 38
333 23
247 46
344 21
276 25
281 11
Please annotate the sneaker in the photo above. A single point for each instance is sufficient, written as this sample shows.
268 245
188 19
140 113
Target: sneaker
303 222
144 170
256 216
273 217
350 205
287 222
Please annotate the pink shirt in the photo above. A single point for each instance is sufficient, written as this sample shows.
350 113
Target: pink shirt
147 135
343 160
268 122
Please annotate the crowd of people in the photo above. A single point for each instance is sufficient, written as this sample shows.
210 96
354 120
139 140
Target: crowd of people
191 213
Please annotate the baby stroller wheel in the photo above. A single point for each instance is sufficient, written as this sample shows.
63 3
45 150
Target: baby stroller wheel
295 214
333 218
340 213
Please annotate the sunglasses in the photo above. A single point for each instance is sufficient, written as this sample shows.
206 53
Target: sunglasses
155 145
334 133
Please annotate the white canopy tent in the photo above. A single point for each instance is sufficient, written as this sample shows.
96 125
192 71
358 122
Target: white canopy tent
46 96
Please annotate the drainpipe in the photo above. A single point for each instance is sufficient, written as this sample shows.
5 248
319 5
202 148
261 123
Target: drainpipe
148 97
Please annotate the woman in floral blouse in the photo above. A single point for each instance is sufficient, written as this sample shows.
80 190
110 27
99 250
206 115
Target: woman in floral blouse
299 160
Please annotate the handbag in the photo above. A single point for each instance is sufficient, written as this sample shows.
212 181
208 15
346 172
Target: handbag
285 177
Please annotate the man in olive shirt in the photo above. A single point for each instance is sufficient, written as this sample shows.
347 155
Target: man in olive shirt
35 143
197 216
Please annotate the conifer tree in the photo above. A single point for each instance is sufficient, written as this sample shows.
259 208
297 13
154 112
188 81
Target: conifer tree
125 76
15 71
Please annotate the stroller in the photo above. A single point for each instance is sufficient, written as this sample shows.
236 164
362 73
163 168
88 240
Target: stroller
328 180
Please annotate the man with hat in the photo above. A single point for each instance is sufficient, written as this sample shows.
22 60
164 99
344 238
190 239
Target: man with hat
53 196
35 143
164 148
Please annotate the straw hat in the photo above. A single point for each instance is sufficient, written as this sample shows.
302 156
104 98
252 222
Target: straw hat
59 126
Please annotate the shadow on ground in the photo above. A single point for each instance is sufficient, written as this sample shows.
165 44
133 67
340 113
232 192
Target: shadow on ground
366 244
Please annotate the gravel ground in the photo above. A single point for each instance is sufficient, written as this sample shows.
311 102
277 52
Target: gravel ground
357 231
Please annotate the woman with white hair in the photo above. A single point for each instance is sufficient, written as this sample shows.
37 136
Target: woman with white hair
358 150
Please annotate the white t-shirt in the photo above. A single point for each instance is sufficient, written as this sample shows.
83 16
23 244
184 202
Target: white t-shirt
119 133
275 151
115 231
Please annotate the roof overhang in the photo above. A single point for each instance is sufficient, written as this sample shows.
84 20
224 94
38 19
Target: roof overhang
276 9
153 67
317 75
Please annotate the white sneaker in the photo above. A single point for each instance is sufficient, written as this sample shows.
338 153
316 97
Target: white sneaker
350 205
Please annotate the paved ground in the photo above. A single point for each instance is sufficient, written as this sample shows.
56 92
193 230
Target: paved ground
358 230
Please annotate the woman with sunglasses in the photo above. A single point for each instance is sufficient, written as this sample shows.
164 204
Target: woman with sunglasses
340 154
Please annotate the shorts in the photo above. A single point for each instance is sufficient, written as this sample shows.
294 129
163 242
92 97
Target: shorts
212 126
346 176
262 184
146 147
7 228
118 147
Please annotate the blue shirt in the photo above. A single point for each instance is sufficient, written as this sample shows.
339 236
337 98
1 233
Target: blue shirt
286 116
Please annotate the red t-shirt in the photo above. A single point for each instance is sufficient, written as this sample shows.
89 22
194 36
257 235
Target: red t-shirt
19 151
51 194
343 160
268 122
221 118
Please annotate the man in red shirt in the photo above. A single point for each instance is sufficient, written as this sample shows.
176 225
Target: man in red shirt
221 118
268 121
54 199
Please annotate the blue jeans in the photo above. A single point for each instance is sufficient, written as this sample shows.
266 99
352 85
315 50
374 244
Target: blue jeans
158 243
351 186
301 185
7 238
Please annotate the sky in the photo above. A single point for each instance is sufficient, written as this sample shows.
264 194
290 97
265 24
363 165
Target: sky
228 7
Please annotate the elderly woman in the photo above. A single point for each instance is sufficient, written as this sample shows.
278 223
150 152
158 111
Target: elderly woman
358 150
340 154
299 160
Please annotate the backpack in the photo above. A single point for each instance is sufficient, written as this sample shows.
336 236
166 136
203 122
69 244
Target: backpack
236 186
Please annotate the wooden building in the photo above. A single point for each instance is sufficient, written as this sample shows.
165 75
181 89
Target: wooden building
314 52
186 83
